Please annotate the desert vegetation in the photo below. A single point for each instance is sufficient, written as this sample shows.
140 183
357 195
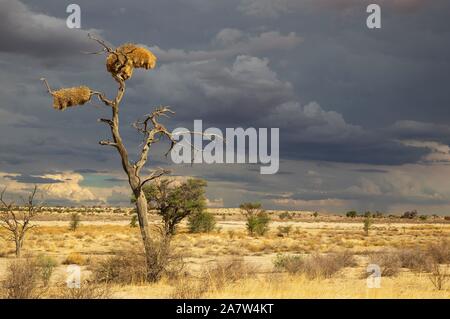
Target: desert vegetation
301 256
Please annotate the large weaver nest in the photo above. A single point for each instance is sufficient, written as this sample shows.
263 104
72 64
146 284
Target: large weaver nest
128 56
68 97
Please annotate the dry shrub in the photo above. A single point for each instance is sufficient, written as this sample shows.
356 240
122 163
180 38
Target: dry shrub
68 97
315 266
213 278
439 275
87 290
129 267
74 259
125 267
440 252
225 272
389 262
22 280
413 259
291 264
189 289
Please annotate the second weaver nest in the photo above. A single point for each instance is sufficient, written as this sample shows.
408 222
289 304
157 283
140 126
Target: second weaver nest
68 97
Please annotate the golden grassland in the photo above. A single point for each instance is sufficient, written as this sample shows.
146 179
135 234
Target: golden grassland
96 239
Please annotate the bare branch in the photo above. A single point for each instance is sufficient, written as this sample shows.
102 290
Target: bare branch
47 86
151 128
155 174
94 53
107 143
101 42
107 121
102 98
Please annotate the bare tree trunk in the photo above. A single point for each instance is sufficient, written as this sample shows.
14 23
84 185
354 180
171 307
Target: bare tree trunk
141 209
18 248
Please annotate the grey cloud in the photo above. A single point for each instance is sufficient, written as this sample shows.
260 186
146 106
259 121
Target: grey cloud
30 179
371 170
229 43
277 8
39 35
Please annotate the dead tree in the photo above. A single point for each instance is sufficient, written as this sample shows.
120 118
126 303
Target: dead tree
17 221
120 63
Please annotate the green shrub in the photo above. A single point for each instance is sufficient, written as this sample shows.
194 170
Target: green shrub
367 224
284 230
74 221
202 222
133 221
258 225
285 215
46 266
351 214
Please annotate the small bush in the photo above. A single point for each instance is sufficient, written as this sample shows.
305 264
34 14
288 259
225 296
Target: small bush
440 252
291 264
389 262
74 259
228 271
351 214
202 222
438 275
126 267
214 277
284 231
189 289
315 266
22 279
258 225
46 265
129 267
87 290
285 215
413 259
133 221
367 224
74 221
410 215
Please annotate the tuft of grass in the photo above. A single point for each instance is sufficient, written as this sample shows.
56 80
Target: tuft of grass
74 259
315 266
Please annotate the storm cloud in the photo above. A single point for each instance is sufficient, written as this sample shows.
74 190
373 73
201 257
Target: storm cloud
354 106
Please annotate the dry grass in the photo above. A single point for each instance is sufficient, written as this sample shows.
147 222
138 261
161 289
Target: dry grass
315 266
218 263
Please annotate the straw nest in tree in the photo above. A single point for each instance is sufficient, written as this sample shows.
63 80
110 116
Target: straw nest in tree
68 97
128 56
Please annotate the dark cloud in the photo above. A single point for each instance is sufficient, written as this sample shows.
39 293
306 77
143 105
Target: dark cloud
115 180
345 98
371 170
39 35
89 171
29 179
